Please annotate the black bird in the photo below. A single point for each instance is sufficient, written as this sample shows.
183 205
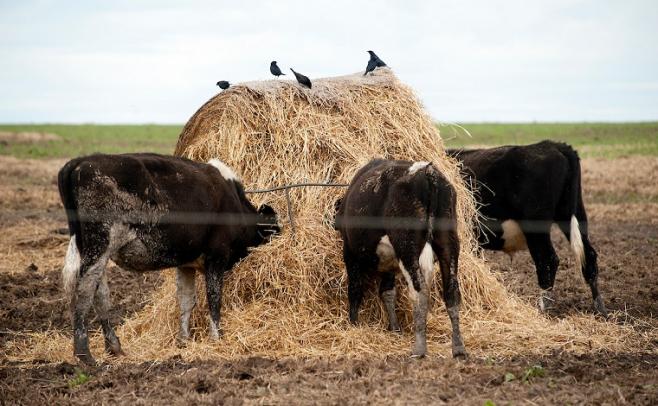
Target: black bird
373 63
223 84
303 80
274 69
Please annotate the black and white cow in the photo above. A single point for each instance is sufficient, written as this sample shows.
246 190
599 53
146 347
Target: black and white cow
149 212
523 190
397 216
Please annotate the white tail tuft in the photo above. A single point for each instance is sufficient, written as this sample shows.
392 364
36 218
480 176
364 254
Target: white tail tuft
577 242
71 267
426 262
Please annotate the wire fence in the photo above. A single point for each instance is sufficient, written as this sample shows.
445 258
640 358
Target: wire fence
287 191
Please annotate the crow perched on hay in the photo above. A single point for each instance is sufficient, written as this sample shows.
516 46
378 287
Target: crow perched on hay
223 84
303 80
373 63
274 69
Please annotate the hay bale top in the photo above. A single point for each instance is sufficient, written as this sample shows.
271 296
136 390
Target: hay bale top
379 77
348 107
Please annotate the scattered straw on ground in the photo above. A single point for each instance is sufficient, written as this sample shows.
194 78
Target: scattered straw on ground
289 297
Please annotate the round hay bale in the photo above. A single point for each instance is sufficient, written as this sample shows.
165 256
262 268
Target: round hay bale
289 297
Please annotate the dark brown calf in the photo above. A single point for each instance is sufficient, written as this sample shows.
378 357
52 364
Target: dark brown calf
397 216
149 212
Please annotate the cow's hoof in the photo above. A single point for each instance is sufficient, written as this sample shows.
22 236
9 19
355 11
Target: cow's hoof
546 301
181 341
114 348
600 307
419 353
459 353
216 335
116 352
394 328
87 359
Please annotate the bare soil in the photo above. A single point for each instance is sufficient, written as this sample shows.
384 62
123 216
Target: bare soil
7 137
620 196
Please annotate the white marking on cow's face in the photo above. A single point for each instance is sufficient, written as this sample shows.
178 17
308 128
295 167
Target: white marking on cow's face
513 236
227 173
426 262
417 166
413 295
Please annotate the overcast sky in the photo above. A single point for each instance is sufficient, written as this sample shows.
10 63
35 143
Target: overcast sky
158 61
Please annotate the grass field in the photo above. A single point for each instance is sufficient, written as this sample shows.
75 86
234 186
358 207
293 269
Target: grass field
89 138
610 140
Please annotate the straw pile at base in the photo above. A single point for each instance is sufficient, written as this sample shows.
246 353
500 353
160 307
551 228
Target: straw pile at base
289 297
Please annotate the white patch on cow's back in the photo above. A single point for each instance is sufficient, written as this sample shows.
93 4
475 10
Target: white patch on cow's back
577 242
417 166
426 262
71 266
226 172
513 237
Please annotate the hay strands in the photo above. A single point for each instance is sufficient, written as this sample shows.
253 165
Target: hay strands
287 188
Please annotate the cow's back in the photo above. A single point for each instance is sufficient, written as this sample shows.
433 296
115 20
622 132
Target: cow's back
517 182
163 203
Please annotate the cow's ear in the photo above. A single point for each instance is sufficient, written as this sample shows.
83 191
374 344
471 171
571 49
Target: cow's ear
266 210
338 203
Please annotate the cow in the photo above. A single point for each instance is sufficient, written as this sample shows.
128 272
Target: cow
400 216
148 212
524 190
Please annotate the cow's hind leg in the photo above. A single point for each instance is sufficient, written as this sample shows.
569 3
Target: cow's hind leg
545 259
186 293
91 272
103 306
409 262
446 246
214 283
589 268
357 269
388 296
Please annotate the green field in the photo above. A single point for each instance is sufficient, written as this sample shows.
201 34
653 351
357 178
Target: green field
608 140
591 139
89 138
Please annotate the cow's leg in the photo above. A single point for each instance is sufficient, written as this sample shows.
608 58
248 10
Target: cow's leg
91 272
186 293
590 268
357 269
591 275
546 262
388 296
214 281
409 262
103 306
446 246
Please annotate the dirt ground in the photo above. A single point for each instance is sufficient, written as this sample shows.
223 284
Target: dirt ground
622 201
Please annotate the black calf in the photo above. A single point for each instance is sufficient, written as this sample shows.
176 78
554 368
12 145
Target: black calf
396 216
524 190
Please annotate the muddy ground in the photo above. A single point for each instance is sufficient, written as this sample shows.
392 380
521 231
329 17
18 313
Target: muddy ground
622 201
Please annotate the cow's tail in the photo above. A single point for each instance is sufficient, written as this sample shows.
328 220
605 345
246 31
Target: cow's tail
574 202
433 179
71 268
